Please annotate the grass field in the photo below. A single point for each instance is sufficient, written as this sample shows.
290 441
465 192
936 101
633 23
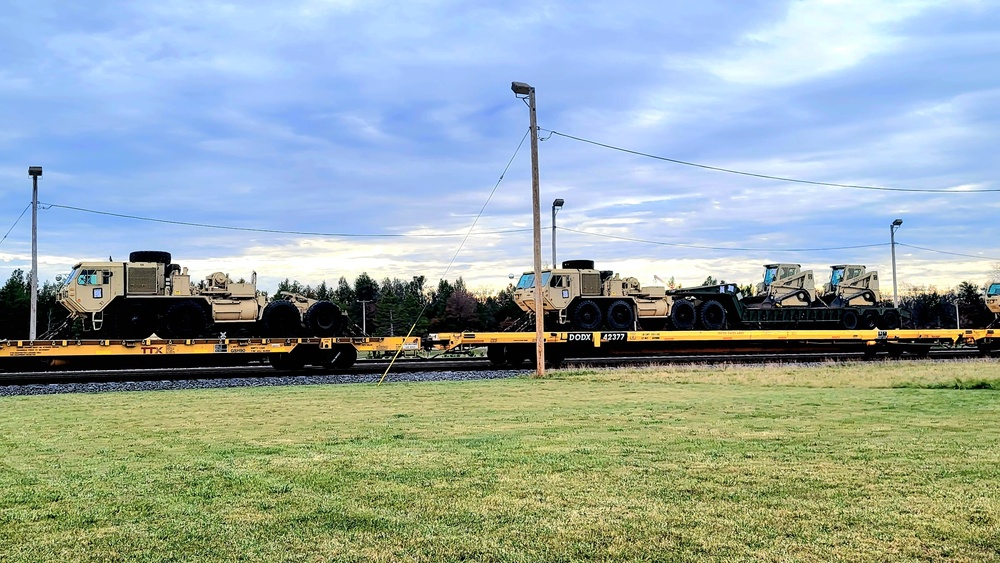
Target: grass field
870 461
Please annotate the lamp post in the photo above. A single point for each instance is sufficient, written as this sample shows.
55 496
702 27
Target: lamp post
524 91
364 316
892 242
556 206
34 172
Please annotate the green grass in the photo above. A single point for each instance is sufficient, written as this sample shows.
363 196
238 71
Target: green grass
775 463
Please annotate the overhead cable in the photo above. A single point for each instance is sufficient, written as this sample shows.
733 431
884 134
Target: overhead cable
768 176
26 207
276 231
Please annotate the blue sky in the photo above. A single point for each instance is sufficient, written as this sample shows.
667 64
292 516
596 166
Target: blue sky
380 118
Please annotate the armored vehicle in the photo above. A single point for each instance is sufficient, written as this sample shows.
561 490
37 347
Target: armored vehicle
993 300
149 294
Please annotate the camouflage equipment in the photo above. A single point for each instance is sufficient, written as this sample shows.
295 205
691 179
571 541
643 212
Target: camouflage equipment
148 294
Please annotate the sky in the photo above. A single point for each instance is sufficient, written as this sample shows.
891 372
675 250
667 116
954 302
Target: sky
316 139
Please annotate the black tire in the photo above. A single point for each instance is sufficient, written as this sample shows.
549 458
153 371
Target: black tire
136 320
186 319
713 315
621 315
157 256
586 315
869 320
286 361
683 314
323 318
346 356
495 354
849 320
281 318
889 321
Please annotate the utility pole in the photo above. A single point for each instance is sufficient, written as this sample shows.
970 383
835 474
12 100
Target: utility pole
34 172
556 206
523 90
892 242
364 316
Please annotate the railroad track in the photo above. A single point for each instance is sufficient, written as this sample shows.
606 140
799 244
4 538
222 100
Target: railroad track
369 370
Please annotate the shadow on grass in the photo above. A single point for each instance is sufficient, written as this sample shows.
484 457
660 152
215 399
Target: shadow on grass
989 384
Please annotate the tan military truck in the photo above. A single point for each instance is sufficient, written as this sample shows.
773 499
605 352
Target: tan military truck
149 294
993 300
579 297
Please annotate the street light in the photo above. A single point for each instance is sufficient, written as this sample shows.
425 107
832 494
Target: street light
892 242
522 90
34 172
556 206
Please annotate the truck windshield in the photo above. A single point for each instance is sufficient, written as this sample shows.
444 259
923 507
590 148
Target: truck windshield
838 274
72 276
527 281
993 290
769 274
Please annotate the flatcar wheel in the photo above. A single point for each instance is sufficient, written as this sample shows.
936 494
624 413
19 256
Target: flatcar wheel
890 321
185 320
713 315
495 354
849 320
286 361
586 315
620 316
346 356
683 314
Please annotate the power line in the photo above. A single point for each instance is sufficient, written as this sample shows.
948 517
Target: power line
722 248
768 176
457 251
273 231
26 207
947 252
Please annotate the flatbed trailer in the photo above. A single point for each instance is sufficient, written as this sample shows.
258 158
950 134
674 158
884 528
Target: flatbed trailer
282 353
509 349
503 348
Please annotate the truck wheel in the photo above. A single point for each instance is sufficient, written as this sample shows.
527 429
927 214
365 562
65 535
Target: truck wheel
890 320
185 320
849 320
281 318
620 316
136 321
869 320
322 319
587 315
683 315
713 315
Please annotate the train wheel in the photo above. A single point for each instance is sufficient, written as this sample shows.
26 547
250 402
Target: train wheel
346 356
495 354
620 316
713 315
890 321
281 318
322 319
849 320
286 361
185 320
586 315
683 314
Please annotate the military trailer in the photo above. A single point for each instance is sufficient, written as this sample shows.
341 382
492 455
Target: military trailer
149 294
580 297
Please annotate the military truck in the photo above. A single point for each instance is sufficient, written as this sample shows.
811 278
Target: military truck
149 294
580 297
993 301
